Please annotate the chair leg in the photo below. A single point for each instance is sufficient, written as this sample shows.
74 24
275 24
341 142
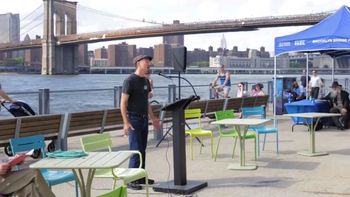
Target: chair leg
200 150
217 148
191 147
255 156
263 148
76 189
258 143
211 146
114 183
234 147
147 188
277 142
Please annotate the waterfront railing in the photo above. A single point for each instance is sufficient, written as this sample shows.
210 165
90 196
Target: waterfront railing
46 101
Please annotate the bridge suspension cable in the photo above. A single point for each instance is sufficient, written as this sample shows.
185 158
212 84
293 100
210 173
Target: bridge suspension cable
103 13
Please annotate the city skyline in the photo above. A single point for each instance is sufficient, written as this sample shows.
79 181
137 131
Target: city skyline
166 12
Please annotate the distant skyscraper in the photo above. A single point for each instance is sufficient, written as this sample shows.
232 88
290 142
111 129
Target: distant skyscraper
9 31
223 45
9 28
162 55
32 57
121 55
177 40
101 53
83 55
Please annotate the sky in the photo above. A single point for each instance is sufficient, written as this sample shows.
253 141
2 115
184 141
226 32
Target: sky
163 11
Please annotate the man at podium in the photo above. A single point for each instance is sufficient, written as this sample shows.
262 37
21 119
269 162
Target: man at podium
135 110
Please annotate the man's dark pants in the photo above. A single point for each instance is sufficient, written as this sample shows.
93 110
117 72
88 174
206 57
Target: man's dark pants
344 123
314 92
138 139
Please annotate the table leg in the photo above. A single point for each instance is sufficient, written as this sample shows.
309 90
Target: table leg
89 181
312 152
80 179
242 165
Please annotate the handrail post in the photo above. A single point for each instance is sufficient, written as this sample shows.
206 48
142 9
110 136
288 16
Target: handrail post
270 90
171 93
211 92
44 101
117 96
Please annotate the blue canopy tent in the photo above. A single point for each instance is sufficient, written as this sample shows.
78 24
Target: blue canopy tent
330 36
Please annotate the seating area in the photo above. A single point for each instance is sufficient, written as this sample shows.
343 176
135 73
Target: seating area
60 127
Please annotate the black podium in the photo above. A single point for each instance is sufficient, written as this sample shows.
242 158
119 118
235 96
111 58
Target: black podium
180 185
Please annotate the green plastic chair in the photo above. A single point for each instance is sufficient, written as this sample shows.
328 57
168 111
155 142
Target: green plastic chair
197 132
119 192
127 175
220 115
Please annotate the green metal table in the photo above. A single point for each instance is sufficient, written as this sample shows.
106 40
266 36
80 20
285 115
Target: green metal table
91 162
312 115
241 126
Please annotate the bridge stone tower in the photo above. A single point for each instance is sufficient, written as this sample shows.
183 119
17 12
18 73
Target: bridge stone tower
62 16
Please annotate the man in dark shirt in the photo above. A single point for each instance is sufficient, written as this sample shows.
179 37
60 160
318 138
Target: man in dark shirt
339 101
135 110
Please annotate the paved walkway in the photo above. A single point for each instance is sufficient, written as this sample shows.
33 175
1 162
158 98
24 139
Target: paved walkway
285 174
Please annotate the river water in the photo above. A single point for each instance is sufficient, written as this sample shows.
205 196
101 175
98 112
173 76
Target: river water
91 100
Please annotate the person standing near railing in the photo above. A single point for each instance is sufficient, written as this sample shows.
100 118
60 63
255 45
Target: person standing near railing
315 84
224 79
135 109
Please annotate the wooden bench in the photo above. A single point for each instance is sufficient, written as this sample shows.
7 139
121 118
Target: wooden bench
213 106
234 103
48 125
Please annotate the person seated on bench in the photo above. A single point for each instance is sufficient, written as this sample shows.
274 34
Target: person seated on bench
258 90
297 92
25 182
339 101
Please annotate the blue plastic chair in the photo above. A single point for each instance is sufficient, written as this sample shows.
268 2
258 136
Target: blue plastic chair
260 129
52 177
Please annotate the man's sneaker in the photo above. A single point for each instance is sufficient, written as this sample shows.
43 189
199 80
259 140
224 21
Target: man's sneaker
134 186
142 181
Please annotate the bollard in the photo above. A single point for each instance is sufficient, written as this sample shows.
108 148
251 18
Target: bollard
211 92
44 101
171 93
117 96
270 90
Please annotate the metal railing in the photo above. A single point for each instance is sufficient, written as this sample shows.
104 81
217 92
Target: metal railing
46 101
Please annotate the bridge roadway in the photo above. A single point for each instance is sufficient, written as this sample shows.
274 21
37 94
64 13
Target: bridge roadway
245 24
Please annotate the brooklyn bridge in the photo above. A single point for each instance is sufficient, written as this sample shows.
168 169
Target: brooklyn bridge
60 41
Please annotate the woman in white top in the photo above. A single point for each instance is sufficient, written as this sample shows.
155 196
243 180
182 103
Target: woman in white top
240 91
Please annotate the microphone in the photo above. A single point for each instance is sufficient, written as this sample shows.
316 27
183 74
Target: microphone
165 76
179 77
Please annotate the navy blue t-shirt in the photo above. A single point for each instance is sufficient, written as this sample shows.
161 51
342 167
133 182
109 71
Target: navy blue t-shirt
137 88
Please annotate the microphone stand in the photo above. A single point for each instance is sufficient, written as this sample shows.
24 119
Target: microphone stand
179 82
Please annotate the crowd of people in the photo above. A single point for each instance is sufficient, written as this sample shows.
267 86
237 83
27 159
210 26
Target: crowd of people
337 98
222 86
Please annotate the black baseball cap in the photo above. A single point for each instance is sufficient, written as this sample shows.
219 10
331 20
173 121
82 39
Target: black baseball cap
141 57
